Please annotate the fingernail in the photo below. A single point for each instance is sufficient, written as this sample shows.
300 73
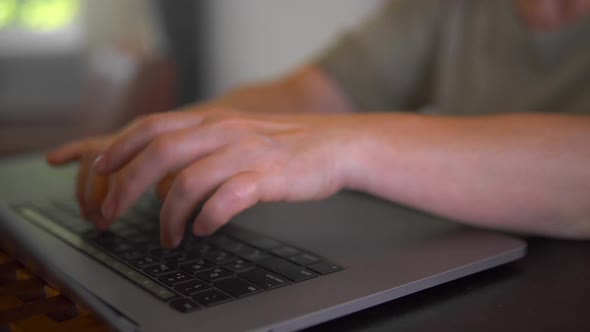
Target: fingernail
174 239
99 163
178 239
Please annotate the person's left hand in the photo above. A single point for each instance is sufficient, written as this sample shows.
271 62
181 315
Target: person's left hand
230 160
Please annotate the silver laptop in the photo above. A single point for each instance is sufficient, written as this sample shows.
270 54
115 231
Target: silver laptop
276 267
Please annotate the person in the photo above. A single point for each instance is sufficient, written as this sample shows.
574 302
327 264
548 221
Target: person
495 129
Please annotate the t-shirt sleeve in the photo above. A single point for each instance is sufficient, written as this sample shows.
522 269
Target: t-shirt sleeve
388 62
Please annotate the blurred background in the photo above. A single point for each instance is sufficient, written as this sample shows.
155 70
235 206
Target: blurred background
76 68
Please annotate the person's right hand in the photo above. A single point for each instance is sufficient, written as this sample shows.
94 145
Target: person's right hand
226 160
91 187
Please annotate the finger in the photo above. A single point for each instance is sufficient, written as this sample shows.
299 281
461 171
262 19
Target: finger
164 186
166 154
94 193
138 135
67 153
237 194
81 177
191 187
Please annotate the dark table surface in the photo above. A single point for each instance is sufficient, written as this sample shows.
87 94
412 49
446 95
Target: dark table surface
548 290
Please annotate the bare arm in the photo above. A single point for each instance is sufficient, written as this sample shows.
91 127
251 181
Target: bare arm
307 90
522 172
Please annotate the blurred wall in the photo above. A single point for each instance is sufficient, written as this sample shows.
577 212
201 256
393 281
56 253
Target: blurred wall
259 39
44 70
73 68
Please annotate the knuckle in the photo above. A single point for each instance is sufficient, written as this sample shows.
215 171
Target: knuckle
252 142
227 118
162 147
237 193
150 123
228 202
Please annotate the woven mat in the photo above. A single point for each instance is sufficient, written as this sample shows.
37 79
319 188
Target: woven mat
28 304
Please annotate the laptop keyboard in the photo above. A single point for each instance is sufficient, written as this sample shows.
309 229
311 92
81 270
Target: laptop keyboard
233 263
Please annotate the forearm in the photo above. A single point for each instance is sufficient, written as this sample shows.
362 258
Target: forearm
528 173
307 90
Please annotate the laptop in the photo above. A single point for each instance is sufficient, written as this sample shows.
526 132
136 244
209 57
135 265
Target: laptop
275 267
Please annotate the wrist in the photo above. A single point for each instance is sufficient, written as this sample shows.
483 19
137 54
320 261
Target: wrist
381 149
366 144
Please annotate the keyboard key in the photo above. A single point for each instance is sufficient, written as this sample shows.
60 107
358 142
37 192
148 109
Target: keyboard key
157 269
324 268
118 247
219 257
211 297
196 266
263 278
132 221
142 240
190 240
164 253
129 234
221 240
232 246
143 261
131 255
176 260
174 278
148 227
237 248
237 266
285 251
254 255
134 275
117 228
286 269
213 274
304 259
236 287
265 243
191 287
184 305
199 248
157 290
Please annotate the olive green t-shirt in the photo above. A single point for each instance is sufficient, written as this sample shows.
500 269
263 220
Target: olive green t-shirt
461 57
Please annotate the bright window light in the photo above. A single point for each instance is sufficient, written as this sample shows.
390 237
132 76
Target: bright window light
38 15
7 12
